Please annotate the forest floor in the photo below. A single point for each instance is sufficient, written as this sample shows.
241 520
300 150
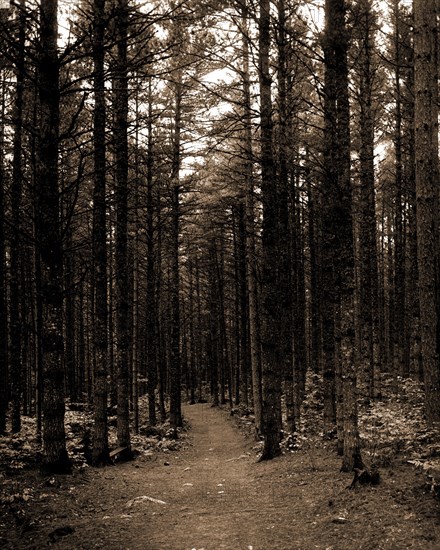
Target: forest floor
209 492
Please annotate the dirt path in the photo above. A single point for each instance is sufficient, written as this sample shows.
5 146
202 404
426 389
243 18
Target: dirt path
213 495
210 492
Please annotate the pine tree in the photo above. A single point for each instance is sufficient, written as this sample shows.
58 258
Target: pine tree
120 95
49 243
426 150
339 223
271 374
16 322
4 381
100 452
368 316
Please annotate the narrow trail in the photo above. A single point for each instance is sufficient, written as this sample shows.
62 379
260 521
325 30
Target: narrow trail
217 497
213 495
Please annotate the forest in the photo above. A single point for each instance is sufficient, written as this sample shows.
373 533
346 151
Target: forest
232 202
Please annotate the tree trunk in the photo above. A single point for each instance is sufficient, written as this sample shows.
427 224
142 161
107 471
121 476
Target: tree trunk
16 323
160 317
286 275
338 141
175 366
4 382
100 450
329 219
251 258
120 83
50 243
191 335
151 306
70 318
398 291
368 276
315 321
271 378
243 308
426 150
299 301
214 336
240 378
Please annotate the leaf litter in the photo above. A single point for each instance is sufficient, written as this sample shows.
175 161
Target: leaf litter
301 493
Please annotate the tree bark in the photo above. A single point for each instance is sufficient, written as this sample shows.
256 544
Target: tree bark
122 269
271 378
286 275
341 223
4 378
175 360
251 258
100 450
49 241
16 323
214 329
426 150
151 305
368 276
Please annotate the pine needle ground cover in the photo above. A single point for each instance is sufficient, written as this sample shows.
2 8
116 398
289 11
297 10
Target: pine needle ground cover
207 490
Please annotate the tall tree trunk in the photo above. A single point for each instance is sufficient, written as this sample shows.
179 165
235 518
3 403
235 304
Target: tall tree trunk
284 245
338 139
100 450
240 378
352 454
120 83
243 308
112 366
151 313
329 218
299 300
270 296
191 334
397 325
49 242
160 316
26 314
201 372
214 332
368 276
16 322
70 318
412 314
175 366
135 276
4 382
426 150
251 258
315 339
223 340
